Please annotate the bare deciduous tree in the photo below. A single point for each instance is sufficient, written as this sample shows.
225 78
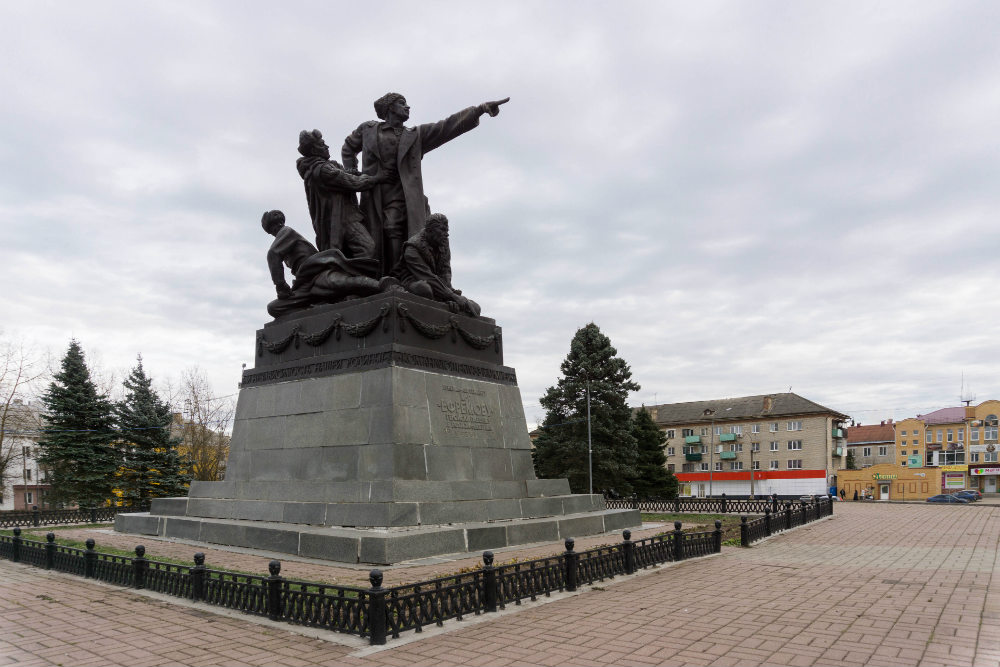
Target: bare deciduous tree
203 423
21 370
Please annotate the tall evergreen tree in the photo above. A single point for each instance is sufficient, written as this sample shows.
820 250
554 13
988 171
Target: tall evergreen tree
652 479
151 466
561 449
77 448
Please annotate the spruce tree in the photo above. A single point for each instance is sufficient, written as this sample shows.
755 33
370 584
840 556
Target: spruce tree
652 479
77 447
151 465
561 448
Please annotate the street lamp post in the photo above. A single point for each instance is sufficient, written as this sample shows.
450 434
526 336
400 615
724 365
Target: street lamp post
590 448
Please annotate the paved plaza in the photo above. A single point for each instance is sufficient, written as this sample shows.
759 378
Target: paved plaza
873 585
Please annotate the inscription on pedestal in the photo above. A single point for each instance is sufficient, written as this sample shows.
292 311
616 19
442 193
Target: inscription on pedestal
466 409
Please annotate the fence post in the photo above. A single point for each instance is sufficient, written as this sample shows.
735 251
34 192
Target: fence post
678 542
139 566
829 505
788 515
16 545
376 608
767 521
635 501
744 535
93 515
50 550
774 503
724 510
677 504
198 577
89 559
718 536
274 590
36 519
628 548
570 561
490 581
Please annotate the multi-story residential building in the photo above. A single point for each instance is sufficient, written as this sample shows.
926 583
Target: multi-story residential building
962 441
24 485
774 443
872 444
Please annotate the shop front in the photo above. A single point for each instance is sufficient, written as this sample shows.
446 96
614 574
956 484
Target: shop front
984 477
954 478
889 481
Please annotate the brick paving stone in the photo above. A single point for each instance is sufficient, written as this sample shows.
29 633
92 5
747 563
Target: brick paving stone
874 585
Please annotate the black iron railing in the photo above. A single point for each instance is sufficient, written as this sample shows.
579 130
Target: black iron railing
715 505
38 517
379 613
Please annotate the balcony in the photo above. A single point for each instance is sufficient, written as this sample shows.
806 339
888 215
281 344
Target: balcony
727 455
692 440
692 457
727 437
838 451
839 433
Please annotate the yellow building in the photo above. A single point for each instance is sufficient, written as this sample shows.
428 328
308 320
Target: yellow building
890 481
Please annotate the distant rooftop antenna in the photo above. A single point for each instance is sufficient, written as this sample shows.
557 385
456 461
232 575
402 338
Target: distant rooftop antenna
964 397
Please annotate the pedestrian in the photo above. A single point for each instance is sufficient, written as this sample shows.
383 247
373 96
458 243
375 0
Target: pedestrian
855 495
843 494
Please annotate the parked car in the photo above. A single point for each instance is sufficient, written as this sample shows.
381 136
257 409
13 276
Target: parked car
946 498
975 492
971 496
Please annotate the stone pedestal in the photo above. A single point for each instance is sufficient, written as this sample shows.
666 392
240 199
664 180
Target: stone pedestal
379 430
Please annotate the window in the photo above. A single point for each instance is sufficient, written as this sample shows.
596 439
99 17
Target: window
774 427
973 457
915 452
704 467
755 428
692 449
795 464
756 465
903 433
688 432
736 465
687 467
865 451
755 446
25 451
975 434
904 443
883 450
670 451
990 430
670 467
738 447
929 436
718 466
704 431
795 426
794 444
774 446
990 457
916 438
940 435
961 435
775 465
670 433
951 435
27 474
736 429
29 498
718 430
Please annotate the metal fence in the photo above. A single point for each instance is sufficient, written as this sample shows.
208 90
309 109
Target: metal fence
37 517
379 613
714 505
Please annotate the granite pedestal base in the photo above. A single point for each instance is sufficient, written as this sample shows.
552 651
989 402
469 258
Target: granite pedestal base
379 430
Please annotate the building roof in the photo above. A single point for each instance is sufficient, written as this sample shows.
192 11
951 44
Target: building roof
944 416
743 407
874 433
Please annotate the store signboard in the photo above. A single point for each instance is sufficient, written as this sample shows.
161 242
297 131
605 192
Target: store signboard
914 461
954 480
985 470
953 468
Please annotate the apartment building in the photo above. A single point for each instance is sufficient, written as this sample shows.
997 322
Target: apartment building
24 481
773 443
873 444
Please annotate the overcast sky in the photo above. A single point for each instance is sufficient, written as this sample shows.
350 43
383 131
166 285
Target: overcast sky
745 197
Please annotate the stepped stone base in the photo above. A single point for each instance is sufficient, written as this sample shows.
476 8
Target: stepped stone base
378 545
379 430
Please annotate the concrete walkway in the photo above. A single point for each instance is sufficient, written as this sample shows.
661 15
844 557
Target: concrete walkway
875 585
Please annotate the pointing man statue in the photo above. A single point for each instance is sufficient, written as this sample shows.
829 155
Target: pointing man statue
396 208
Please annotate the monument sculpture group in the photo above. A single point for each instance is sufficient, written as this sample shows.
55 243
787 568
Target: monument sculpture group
379 423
